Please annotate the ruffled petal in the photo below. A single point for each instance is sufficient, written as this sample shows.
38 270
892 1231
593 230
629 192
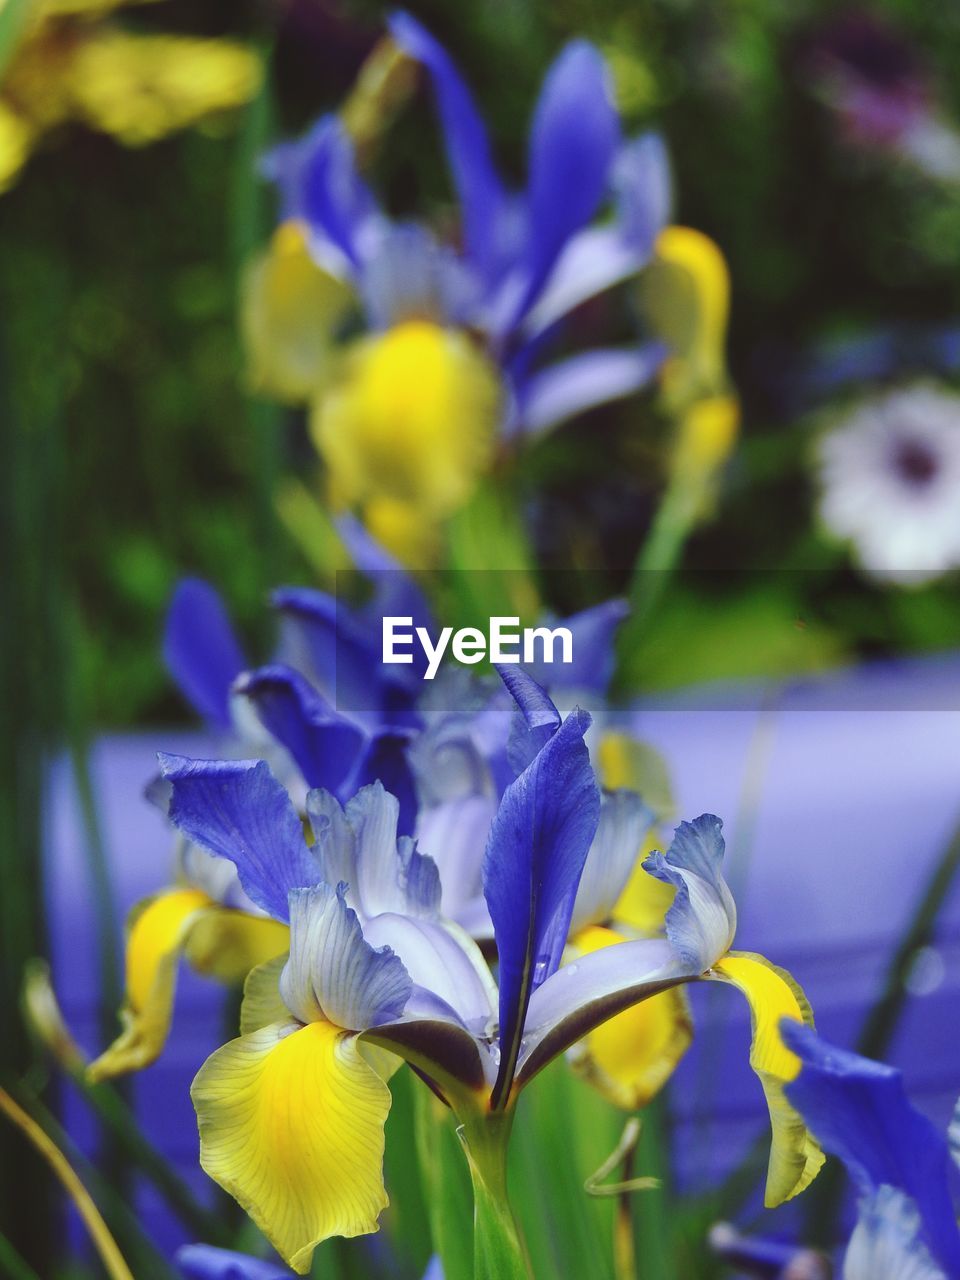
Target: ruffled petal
795 1157
359 846
238 810
887 1242
702 921
201 650
156 933
291 1125
333 973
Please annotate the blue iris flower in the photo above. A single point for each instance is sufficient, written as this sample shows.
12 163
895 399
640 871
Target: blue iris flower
528 258
898 1160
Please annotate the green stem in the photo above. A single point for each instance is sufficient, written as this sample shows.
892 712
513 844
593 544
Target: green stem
498 1251
661 552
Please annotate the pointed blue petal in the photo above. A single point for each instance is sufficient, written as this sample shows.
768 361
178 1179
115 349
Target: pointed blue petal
859 1111
238 810
538 844
201 650
468 148
204 1262
324 746
573 142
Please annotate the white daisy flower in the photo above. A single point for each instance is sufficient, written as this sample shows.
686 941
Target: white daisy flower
890 484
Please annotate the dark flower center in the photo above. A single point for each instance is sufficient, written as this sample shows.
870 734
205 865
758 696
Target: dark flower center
915 462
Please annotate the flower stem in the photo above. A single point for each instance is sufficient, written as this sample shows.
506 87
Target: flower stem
104 1242
498 1251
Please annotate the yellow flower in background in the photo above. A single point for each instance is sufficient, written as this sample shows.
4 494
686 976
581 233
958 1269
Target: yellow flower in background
411 418
70 63
458 360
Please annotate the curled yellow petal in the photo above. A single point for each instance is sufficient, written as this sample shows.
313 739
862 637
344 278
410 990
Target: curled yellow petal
686 295
795 1157
631 1057
708 432
227 944
156 934
412 418
289 310
291 1125
16 141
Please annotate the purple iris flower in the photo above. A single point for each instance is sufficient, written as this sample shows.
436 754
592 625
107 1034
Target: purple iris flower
528 258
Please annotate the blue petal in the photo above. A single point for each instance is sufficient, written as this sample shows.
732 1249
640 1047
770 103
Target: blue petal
538 718
411 276
201 650
238 810
359 845
204 1262
702 920
396 592
333 974
341 650
386 760
319 183
573 142
324 746
887 1243
594 631
859 1111
624 823
538 844
642 190
468 148
581 382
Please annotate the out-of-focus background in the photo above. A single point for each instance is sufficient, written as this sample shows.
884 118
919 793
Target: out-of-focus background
817 143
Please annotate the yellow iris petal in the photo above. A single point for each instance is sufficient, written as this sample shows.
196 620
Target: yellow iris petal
140 88
290 307
227 944
686 293
795 1158
708 432
16 140
644 901
631 1057
412 419
157 931
291 1124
